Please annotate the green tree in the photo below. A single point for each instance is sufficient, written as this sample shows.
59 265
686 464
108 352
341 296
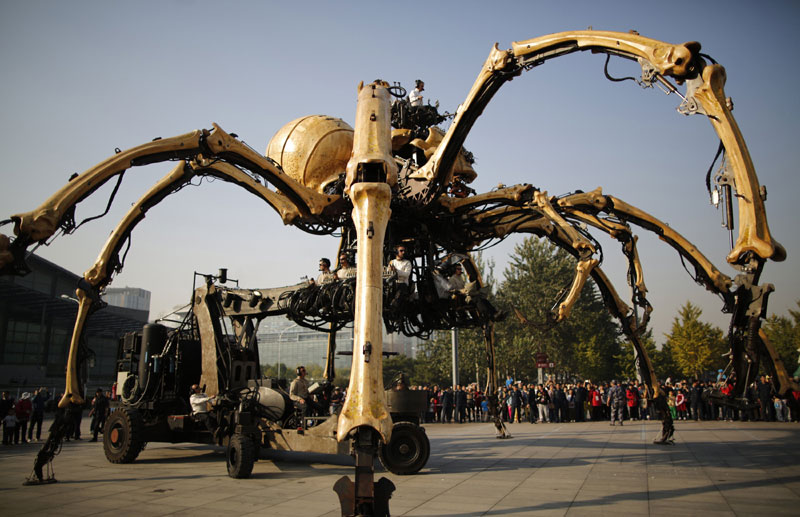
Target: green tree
584 345
695 346
472 362
437 363
434 360
395 365
626 364
276 370
784 335
664 363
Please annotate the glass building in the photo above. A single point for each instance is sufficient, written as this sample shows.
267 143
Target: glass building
128 297
282 341
37 315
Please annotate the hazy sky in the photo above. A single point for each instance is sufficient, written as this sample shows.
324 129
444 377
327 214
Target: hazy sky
83 78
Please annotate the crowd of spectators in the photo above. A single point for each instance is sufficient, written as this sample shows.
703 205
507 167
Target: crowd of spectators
580 401
23 418
519 401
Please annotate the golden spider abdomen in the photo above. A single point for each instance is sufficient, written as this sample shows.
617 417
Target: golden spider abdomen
312 150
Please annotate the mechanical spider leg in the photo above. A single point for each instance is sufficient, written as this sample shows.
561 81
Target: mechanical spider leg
644 365
747 302
108 262
215 150
491 383
619 310
580 244
544 219
743 297
365 415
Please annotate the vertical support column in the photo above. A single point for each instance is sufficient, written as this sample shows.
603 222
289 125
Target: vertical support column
209 330
454 346
365 418
491 383
330 357
366 404
72 391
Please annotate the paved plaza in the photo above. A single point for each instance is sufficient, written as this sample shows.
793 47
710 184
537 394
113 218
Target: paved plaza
715 468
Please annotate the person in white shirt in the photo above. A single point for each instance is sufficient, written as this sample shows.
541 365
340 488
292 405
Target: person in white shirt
457 282
400 266
326 276
415 97
199 402
346 268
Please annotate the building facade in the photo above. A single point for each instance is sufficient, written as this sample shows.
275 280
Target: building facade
284 342
37 316
128 297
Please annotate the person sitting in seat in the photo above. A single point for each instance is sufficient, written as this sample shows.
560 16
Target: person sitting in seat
401 267
456 280
346 268
199 402
326 276
337 401
473 294
298 392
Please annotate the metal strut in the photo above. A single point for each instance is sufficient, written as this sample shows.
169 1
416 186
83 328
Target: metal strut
364 497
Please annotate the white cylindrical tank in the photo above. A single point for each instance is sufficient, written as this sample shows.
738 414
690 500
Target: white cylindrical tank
276 404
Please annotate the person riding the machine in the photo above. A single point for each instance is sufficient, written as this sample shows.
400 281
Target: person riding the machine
199 402
298 392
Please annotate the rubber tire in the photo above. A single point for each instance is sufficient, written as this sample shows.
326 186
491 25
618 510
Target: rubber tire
240 456
407 451
126 426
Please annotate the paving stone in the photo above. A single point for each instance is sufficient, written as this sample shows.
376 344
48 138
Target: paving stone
715 468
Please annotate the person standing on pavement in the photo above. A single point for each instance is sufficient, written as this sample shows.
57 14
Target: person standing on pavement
562 405
533 410
40 397
100 407
23 410
764 391
78 416
516 404
6 405
447 405
10 424
470 404
542 403
461 404
337 401
632 395
695 398
616 402
581 395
